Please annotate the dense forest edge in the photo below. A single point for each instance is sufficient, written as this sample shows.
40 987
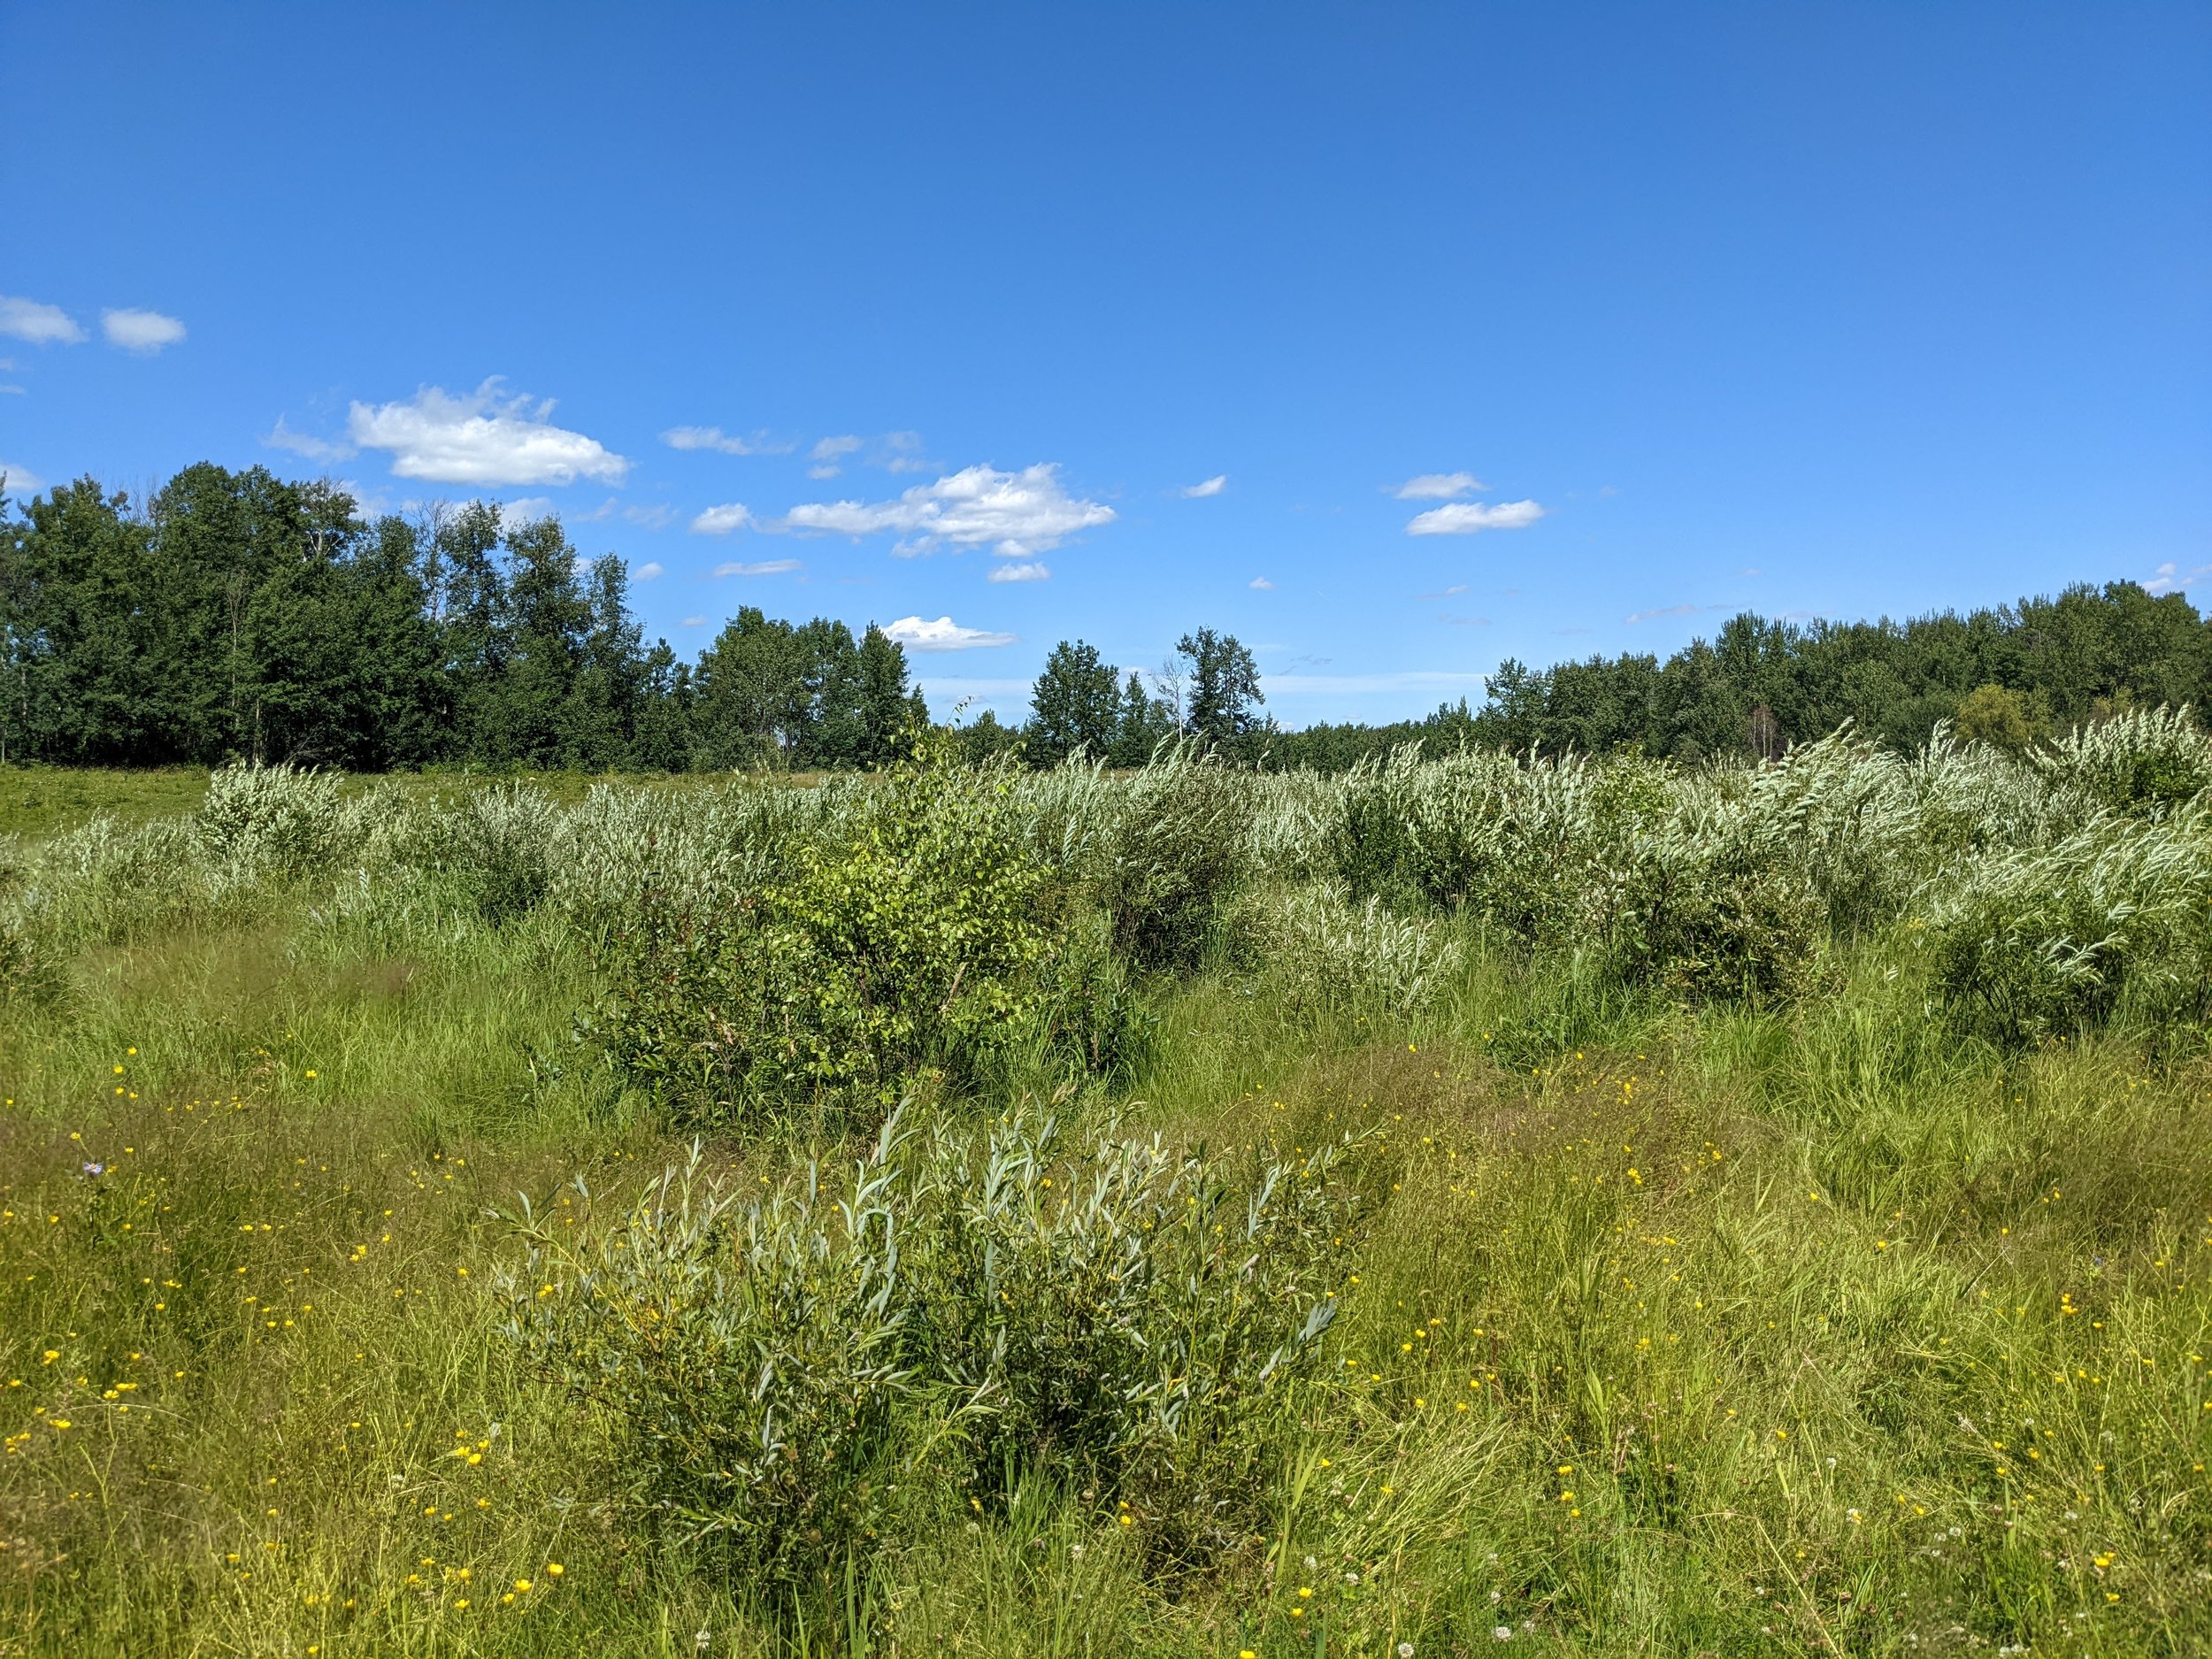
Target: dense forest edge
237 616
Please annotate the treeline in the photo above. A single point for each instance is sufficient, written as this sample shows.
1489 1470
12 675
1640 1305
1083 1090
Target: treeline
235 614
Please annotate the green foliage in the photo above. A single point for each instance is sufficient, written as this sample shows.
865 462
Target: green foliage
1998 716
2110 921
1161 854
902 943
775 1368
752 1358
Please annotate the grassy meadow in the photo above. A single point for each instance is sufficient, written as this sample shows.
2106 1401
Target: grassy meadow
1470 1205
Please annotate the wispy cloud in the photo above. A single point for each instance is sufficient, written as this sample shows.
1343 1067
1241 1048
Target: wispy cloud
828 454
1439 486
1016 514
1415 679
1028 570
765 567
483 438
142 331
695 622
306 444
1213 485
1465 517
2168 579
656 517
944 635
1260 584
20 482
728 443
39 323
1455 589
523 510
733 514
1670 610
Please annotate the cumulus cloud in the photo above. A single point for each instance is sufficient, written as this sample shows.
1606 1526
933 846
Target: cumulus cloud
728 443
142 331
20 482
40 325
1464 517
646 572
1260 584
1439 486
733 514
484 438
1028 570
1015 513
306 444
765 567
1213 485
944 635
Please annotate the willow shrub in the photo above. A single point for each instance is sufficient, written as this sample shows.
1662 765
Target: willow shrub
780 1371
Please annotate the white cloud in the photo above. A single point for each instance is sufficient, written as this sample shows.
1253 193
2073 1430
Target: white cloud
1464 517
1213 485
1418 679
944 635
20 481
899 452
1260 584
1453 590
1029 571
765 567
18 391
306 444
40 325
482 439
657 517
834 449
142 331
1669 611
715 438
646 572
513 515
695 622
1439 485
733 514
1016 513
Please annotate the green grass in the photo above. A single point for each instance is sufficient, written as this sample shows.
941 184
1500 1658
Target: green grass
1672 1332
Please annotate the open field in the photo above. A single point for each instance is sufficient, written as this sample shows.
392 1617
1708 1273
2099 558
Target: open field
1459 1207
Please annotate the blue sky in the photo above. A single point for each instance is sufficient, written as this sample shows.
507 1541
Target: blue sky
1395 340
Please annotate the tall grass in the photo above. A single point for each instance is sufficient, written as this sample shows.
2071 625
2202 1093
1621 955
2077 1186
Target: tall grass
1775 1217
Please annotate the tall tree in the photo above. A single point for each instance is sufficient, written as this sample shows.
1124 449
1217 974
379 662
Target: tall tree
1224 682
1074 706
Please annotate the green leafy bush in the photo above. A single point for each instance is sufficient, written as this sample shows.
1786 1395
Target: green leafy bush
752 1356
2111 922
774 1368
280 818
907 945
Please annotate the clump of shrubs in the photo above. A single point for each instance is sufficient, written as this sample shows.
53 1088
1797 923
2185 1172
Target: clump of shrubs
778 1371
901 950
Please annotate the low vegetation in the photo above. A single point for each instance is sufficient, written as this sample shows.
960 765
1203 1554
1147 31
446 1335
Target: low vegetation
1464 1203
